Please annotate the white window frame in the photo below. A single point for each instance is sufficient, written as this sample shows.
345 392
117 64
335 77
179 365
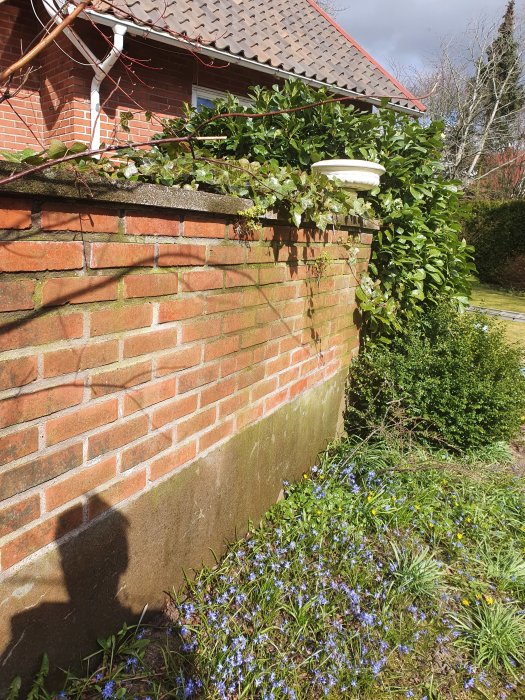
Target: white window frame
209 94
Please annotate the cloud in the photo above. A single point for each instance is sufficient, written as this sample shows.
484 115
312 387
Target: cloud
409 32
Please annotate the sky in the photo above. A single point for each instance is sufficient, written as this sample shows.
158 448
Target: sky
406 33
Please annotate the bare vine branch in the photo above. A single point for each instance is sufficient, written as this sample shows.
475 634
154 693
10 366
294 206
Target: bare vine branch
48 39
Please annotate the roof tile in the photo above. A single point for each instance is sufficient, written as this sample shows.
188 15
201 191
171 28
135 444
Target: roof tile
294 35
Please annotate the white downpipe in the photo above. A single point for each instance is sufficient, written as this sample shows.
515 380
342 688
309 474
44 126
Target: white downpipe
100 68
101 71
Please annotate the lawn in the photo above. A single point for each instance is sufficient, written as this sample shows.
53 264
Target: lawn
491 297
384 573
486 296
515 331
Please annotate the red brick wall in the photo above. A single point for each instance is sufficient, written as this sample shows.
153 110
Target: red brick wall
21 119
133 340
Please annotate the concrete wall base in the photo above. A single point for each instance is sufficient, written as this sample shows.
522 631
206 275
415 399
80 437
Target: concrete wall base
87 585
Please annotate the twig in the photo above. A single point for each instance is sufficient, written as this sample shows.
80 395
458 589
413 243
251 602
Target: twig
8 95
520 156
30 55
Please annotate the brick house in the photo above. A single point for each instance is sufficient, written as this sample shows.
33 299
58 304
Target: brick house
173 52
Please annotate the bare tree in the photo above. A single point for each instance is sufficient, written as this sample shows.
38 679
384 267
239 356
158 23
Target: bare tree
332 7
480 105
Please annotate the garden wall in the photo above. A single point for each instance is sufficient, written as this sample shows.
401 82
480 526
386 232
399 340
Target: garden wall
162 370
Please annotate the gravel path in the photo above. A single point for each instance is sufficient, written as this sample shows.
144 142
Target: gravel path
508 315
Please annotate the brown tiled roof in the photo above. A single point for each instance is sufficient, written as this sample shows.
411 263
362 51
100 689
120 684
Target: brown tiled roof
291 35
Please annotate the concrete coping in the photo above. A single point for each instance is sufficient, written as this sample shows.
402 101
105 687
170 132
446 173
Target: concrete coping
55 183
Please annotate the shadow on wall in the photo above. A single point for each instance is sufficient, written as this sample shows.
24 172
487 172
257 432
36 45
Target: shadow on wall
60 628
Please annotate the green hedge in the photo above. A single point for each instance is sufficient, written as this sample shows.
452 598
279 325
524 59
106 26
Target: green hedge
497 231
451 380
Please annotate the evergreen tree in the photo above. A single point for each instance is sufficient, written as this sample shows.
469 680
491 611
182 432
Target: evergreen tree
505 93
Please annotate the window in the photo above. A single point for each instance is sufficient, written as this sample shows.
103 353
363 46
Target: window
205 97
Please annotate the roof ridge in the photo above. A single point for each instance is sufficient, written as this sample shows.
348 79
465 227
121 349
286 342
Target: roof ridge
358 46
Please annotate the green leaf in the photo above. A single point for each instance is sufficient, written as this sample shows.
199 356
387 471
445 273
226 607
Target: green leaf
77 147
125 118
56 149
14 689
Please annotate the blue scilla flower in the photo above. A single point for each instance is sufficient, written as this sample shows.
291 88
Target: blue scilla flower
190 688
108 691
131 663
376 667
367 619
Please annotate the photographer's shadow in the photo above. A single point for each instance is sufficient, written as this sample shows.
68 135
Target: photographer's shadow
92 562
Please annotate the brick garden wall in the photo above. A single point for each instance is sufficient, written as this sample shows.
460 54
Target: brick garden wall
134 340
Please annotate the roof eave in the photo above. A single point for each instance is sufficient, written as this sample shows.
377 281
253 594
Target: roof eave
212 52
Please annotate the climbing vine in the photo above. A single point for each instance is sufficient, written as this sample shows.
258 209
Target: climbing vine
418 258
296 195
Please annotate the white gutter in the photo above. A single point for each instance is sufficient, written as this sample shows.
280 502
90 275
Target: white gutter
100 68
164 37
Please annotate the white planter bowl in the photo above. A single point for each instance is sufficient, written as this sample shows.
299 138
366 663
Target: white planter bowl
358 175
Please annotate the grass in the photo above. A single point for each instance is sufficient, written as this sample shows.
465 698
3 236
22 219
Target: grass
384 573
514 331
493 634
489 297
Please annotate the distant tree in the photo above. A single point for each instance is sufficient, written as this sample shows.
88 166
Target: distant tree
332 7
504 69
478 94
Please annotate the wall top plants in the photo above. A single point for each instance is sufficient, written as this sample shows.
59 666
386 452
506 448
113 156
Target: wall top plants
52 183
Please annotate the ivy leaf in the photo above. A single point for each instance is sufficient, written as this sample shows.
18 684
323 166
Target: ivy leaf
296 218
77 147
125 118
130 170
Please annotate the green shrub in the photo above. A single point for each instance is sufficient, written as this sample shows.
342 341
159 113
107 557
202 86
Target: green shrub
496 230
451 379
418 258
